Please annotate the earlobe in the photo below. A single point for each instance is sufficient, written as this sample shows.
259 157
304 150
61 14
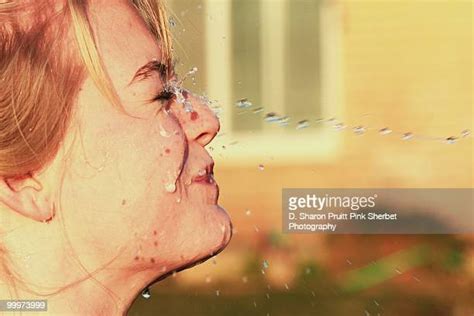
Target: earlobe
27 197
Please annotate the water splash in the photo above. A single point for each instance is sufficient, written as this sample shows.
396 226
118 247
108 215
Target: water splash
302 124
243 103
407 136
265 264
171 21
359 130
339 126
451 140
385 131
271 117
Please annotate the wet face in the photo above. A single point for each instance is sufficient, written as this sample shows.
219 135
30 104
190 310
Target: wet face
138 190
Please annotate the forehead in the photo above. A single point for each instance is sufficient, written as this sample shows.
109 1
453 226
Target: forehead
124 42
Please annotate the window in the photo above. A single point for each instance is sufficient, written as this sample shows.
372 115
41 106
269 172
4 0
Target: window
284 56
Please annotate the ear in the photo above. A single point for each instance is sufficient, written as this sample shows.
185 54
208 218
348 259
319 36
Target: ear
27 197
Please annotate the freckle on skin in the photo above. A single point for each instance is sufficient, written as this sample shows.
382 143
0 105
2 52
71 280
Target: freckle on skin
155 243
154 232
152 260
194 116
124 202
167 150
137 258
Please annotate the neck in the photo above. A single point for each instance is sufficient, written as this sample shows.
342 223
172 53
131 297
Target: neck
87 297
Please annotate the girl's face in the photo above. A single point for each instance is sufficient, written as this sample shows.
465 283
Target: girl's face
138 192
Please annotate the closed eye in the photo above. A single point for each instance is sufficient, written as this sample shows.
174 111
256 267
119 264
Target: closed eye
164 98
164 95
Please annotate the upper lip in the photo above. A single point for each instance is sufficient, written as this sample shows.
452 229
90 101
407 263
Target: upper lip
209 169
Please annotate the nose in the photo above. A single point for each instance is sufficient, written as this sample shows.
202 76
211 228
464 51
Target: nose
201 124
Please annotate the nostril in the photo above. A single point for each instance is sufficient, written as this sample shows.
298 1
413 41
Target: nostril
204 138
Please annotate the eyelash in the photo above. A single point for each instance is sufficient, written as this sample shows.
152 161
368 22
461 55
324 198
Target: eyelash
164 96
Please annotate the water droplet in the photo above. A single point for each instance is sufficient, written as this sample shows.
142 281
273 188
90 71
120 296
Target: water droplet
256 229
302 124
271 117
263 271
359 130
268 295
243 103
248 212
308 270
163 132
339 126
170 187
398 271
348 261
465 133
218 292
451 140
257 110
286 286
265 264
245 279
407 136
188 107
146 293
376 303
283 121
192 71
208 279
261 167
254 303
172 21
385 131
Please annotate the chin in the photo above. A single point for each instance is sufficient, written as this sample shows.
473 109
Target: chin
205 232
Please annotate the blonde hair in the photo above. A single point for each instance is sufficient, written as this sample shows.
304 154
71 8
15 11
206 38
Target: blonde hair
38 81
41 74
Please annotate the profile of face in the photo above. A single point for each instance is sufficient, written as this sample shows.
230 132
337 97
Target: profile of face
133 192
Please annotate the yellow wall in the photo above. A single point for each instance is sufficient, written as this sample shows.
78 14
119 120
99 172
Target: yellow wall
406 65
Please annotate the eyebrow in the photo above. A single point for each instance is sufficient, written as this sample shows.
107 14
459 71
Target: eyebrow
145 71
